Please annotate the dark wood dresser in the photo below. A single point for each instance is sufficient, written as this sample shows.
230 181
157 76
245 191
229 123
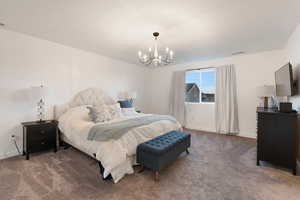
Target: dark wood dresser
39 136
278 138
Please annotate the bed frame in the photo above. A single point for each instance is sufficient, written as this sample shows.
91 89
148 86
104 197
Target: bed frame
67 145
90 96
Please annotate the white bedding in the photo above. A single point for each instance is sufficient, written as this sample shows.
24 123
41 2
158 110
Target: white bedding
116 156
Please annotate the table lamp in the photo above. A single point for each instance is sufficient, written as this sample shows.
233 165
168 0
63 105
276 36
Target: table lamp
265 92
37 94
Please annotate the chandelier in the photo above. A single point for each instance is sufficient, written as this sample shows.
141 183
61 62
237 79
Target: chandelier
154 57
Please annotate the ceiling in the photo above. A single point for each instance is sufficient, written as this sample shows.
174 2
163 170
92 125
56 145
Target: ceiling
194 29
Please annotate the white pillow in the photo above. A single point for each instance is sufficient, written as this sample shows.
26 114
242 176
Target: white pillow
129 111
114 110
79 112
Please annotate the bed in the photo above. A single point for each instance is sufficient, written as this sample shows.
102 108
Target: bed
117 156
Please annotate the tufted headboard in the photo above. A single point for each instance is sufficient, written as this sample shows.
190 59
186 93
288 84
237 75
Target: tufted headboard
90 96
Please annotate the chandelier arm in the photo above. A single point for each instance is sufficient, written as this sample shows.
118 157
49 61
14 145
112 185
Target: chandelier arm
144 62
166 60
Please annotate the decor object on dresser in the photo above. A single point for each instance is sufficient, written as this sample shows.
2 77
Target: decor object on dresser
277 137
39 136
285 86
38 94
265 92
158 153
154 57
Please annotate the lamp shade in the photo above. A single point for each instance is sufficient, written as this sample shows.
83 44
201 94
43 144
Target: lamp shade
38 92
266 91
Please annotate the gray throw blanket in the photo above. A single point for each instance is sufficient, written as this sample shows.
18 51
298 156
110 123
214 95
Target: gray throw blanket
115 130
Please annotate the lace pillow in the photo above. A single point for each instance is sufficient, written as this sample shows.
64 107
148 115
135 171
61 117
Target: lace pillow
128 111
114 110
99 114
104 113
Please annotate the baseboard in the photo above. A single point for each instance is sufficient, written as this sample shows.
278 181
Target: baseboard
247 135
8 155
241 134
202 129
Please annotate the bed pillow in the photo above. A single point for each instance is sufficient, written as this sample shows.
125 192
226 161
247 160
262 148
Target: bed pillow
125 103
77 113
99 113
104 113
114 110
129 111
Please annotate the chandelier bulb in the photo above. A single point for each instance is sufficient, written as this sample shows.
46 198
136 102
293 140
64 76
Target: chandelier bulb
171 54
167 49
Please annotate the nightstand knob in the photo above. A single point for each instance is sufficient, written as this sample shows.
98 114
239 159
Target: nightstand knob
42 143
42 132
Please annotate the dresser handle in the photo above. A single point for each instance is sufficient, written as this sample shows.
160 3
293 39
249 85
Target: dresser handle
42 143
42 132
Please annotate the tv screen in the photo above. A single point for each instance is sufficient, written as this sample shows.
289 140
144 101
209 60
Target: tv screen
284 81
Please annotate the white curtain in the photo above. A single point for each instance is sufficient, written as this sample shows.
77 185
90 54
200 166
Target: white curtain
177 105
226 106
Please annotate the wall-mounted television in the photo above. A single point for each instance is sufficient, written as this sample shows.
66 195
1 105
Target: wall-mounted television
284 81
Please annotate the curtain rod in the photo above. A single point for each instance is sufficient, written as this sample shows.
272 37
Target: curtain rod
200 68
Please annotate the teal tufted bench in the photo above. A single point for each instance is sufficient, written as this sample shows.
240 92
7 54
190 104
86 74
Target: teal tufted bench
161 151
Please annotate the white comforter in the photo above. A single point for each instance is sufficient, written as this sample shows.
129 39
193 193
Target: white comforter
116 156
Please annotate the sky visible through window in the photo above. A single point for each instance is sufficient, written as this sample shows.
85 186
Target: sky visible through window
208 80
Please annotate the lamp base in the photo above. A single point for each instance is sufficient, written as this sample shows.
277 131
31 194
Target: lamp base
266 102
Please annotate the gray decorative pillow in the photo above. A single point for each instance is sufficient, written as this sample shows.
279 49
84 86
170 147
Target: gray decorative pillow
114 110
99 114
104 113
92 113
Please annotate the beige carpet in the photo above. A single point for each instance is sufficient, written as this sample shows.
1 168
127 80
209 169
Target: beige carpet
219 167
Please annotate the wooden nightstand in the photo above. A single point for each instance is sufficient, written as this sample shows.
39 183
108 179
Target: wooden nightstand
39 136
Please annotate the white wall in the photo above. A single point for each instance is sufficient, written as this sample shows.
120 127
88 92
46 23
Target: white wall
253 70
26 61
293 53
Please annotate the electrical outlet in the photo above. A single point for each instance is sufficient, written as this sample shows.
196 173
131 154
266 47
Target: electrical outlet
14 138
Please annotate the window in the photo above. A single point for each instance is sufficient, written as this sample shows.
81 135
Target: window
200 86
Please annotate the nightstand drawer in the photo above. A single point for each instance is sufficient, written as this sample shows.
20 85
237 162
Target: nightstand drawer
38 133
41 145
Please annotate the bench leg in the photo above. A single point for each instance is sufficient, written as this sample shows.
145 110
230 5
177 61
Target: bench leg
187 151
141 169
156 176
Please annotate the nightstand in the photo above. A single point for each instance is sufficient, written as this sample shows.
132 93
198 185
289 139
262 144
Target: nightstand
39 136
